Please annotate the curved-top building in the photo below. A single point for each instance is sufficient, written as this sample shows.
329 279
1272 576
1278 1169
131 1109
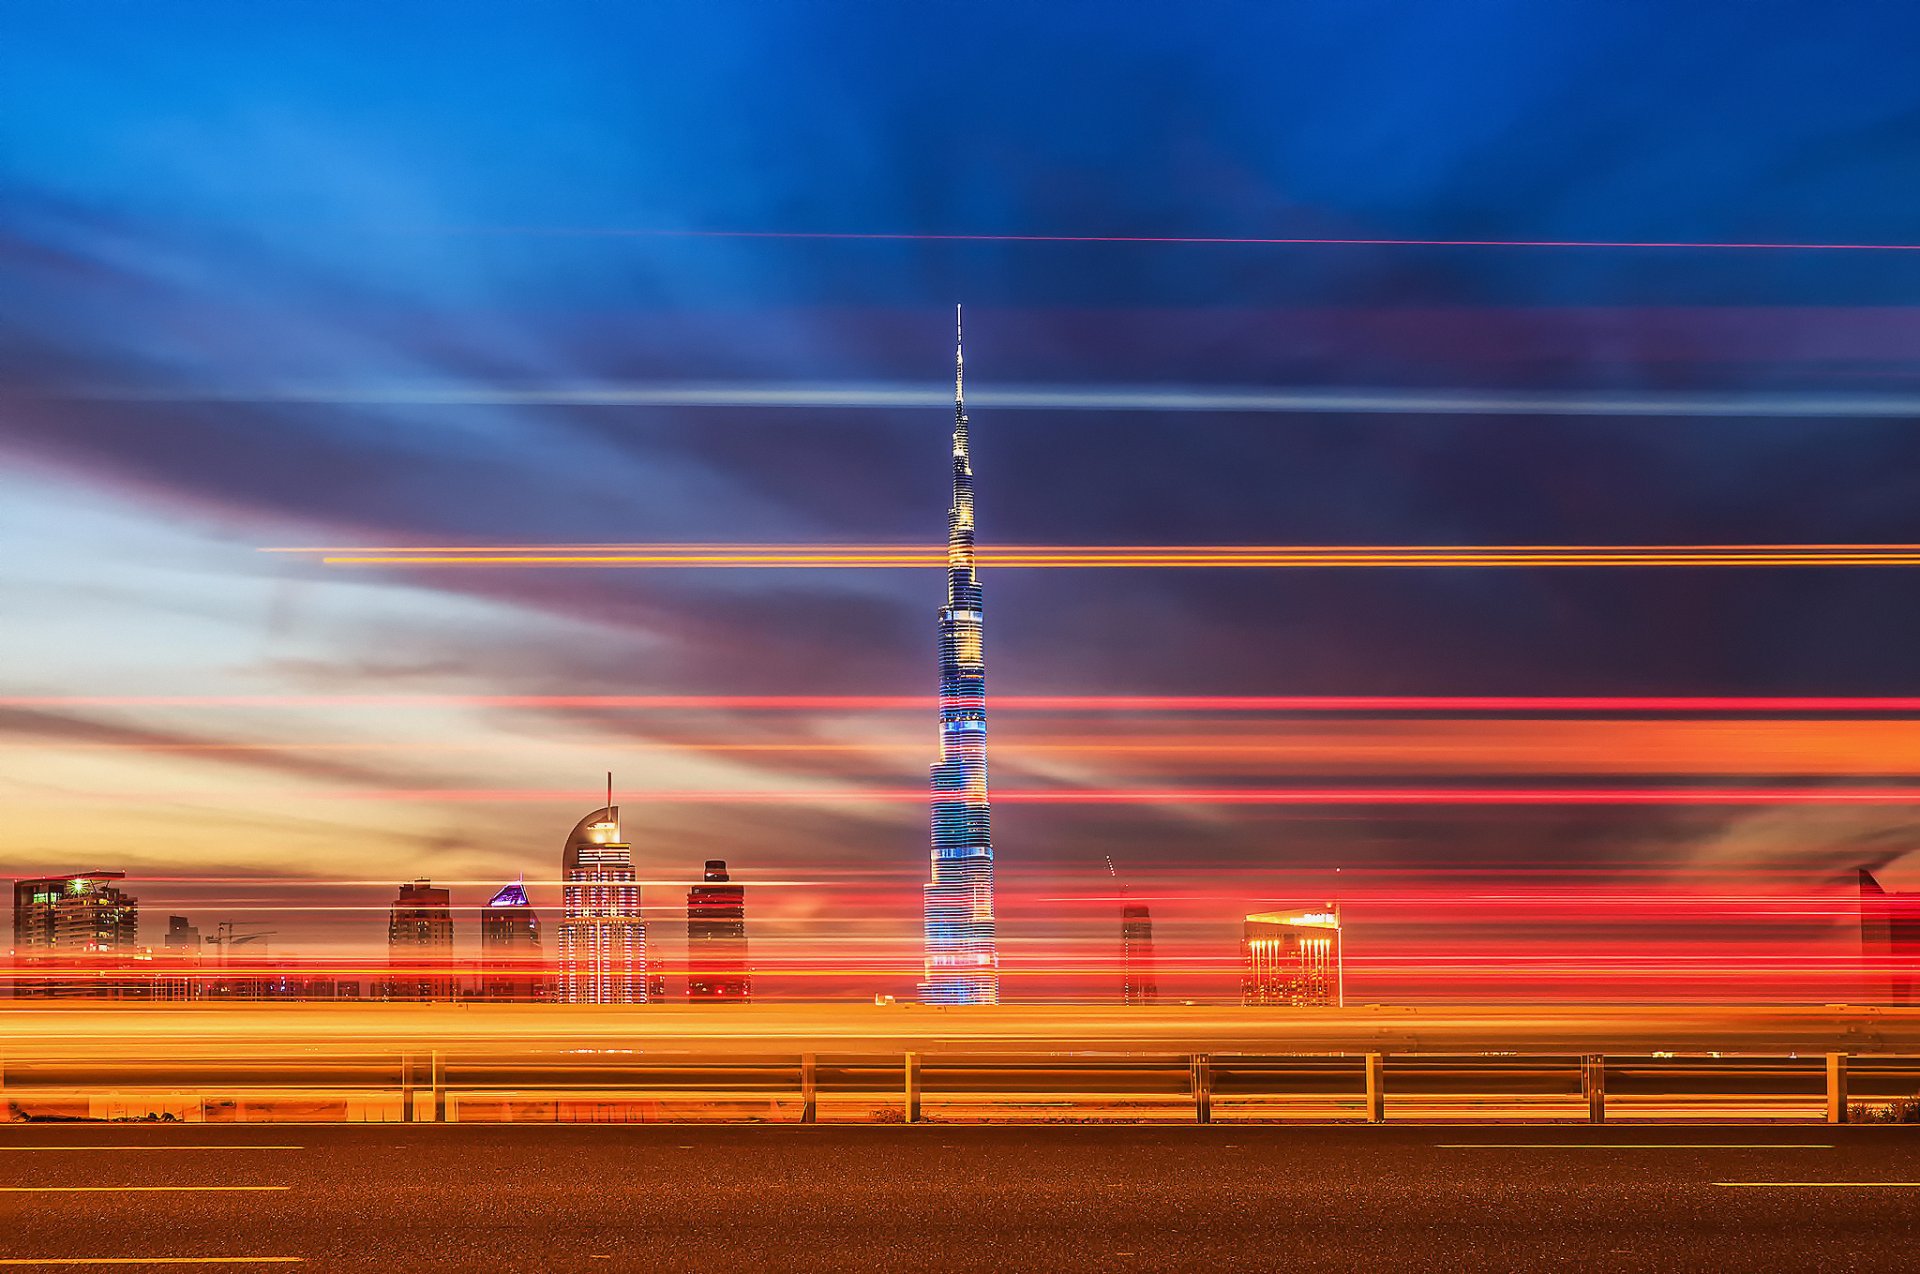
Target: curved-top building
603 940
963 961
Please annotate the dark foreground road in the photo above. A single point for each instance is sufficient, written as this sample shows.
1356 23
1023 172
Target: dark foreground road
664 1197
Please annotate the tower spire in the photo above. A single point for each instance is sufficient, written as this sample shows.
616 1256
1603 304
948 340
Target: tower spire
963 961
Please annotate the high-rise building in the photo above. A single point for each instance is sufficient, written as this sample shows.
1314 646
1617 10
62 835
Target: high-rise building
962 956
717 938
1890 938
1293 958
74 935
603 939
420 944
512 965
181 936
1137 983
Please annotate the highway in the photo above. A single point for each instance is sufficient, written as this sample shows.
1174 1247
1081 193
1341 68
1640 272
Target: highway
875 1198
829 1063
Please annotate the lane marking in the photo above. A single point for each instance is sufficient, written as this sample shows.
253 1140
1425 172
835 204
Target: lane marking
236 1146
122 1189
1634 1145
152 1260
1825 1185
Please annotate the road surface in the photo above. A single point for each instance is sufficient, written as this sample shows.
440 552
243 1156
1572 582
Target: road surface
880 1198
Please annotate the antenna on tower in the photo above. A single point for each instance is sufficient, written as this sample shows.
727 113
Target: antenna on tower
959 357
609 789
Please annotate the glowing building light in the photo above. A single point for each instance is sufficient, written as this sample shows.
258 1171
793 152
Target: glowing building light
962 957
420 944
717 966
511 963
603 940
1293 958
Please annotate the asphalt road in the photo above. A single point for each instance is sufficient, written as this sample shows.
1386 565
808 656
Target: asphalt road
795 1198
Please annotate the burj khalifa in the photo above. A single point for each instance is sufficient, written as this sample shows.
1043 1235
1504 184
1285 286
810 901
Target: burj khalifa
963 962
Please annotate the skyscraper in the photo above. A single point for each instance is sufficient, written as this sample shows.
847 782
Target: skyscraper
1889 938
512 966
962 959
420 943
603 940
1294 958
717 938
78 931
1137 984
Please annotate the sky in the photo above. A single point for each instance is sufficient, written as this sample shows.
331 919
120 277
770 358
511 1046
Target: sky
348 274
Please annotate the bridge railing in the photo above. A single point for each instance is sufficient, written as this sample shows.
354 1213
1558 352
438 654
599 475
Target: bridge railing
600 1085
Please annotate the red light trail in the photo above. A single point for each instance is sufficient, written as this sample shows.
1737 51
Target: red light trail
1358 796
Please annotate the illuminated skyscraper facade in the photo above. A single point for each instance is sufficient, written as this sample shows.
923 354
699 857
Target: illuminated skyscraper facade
1137 982
512 965
603 939
717 938
1294 958
420 944
85 926
963 961
1889 940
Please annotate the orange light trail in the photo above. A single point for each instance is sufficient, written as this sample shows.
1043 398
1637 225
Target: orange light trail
1200 556
1844 747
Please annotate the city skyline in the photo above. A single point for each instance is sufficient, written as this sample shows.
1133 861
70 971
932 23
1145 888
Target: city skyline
551 313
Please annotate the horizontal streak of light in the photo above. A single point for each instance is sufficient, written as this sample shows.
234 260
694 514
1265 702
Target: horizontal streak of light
899 236
1185 796
135 1146
1107 398
152 1260
1633 1145
940 550
1713 748
127 1189
1147 556
1016 703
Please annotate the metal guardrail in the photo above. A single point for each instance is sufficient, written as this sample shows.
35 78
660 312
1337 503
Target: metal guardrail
571 1085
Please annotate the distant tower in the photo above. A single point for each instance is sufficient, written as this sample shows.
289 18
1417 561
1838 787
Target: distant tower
84 927
1294 958
717 938
512 966
1137 985
181 936
1889 938
962 956
420 944
603 939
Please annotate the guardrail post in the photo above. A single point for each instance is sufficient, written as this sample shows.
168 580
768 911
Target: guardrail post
439 1077
406 1087
1202 1084
807 1093
1836 1088
1376 1088
1593 1086
912 1076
